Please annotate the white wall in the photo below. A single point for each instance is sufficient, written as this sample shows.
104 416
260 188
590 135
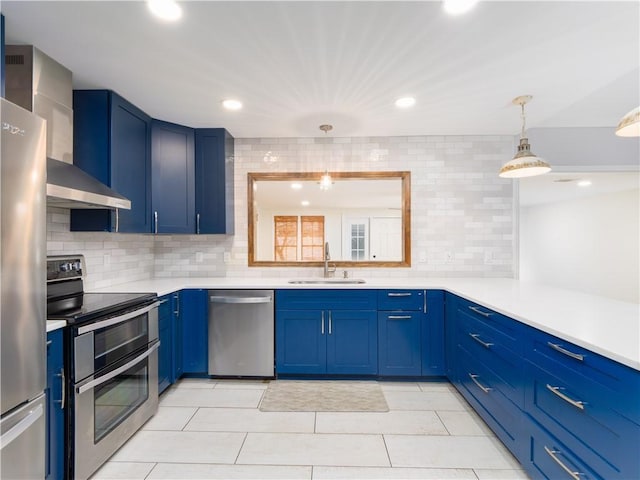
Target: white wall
590 245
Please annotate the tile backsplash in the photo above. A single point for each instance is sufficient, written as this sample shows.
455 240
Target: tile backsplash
462 213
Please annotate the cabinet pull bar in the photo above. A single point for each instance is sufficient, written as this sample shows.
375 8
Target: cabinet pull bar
482 387
556 391
477 310
566 352
155 222
322 325
63 382
117 220
330 322
176 312
552 454
198 224
476 337
49 342
424 301
399 317
403 294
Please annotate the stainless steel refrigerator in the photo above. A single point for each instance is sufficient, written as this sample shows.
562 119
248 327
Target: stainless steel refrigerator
23 286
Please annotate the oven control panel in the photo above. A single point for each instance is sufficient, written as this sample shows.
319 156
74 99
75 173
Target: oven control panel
64 267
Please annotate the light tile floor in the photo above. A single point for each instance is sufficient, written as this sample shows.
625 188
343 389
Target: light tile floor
209 429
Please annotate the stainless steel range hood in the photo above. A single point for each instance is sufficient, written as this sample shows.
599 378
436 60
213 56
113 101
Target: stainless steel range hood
38 83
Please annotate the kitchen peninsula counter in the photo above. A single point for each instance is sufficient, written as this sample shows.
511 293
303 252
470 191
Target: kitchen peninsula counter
605 326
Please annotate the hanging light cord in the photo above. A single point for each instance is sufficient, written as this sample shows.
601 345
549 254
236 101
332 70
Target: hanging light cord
524 121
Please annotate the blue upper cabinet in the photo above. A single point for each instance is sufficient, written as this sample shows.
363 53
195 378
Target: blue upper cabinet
172 167
112 142
214 181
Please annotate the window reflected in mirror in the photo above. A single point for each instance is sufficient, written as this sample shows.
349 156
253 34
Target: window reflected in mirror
363 216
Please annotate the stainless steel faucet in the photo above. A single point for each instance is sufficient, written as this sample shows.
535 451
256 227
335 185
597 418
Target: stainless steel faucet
328 271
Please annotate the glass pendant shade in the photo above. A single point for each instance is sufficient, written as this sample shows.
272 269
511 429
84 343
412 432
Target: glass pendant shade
629 126
325 181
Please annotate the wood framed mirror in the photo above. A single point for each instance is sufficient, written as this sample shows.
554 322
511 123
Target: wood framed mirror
364 216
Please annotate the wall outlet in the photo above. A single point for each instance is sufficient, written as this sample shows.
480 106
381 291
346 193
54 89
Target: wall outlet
199 257
448 257
227 257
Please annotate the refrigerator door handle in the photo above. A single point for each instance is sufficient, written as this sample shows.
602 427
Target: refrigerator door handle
20 427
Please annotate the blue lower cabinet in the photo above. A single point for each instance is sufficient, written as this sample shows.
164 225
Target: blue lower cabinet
432 335
333 342
352 342
176 336
165 353
194 313
399 349
54 466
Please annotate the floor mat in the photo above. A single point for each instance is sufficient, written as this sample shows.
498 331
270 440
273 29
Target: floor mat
323 396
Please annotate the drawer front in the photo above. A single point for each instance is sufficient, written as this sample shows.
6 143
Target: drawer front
478 385
588 371
586 422
399 349
402 300
550 459
330 299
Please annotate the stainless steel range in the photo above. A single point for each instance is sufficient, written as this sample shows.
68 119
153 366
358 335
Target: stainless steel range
111 345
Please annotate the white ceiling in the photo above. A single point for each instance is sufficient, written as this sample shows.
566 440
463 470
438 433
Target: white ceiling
558 187
296 65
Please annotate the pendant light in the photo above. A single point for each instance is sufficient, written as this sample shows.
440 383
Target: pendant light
525 163
325 181
629 126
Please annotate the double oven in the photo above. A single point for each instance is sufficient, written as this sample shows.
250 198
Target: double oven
111 364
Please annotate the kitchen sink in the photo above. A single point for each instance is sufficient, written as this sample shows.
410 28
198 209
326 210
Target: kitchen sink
339 281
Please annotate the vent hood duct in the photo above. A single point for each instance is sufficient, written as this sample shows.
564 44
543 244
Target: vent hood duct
39 84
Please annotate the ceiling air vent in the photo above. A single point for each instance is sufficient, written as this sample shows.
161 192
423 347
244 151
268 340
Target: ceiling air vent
14 59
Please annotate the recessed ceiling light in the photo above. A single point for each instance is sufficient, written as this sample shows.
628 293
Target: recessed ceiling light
456 7
165 9
304 203
296 186
231 104
405 102
584 183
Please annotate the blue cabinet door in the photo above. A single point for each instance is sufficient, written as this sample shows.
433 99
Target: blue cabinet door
172 167
194 312
399 349
54 466
165 353
301 345
176 337
112 142
433 336
214 167
352 342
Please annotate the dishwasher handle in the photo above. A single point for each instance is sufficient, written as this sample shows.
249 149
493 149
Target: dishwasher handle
231 299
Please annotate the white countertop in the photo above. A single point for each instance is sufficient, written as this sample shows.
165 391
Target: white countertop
55 325
605 326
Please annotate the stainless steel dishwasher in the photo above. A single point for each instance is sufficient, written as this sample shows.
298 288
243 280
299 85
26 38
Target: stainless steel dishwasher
241 333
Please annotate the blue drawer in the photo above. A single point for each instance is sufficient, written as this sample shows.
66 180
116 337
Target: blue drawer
586 421
477 383
503 330
402 300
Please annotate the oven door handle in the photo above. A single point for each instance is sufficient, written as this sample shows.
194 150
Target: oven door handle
119 319
114 373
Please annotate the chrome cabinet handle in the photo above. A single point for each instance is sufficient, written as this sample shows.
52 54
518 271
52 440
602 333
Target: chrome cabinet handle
63 395
476 337
399 317
403 294
424 301
330 322
198 224
155 221
477 310
566 352
49 342
552 454
322 325
482 387
556 391
223 299
176 312
160 302
114 373
117 220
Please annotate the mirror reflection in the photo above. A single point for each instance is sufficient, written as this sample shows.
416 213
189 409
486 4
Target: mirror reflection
362 216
